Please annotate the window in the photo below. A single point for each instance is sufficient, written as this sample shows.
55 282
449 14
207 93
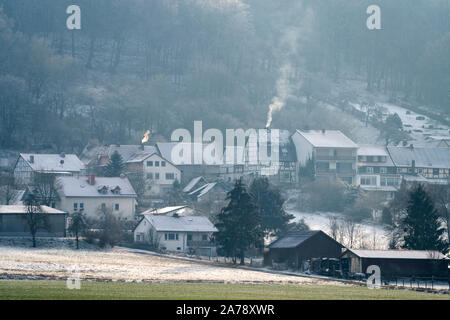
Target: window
368 181
75 206
383 170
81 206
170 176
369 170
189 237
323 166
150 175
149 163
103 206
204 237
116 207
392 182
171 236
163 163
157 176
156 163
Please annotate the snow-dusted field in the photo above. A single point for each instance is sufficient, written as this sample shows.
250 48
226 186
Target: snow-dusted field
119 264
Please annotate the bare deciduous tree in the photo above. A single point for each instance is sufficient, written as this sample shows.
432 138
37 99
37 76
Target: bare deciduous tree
36 219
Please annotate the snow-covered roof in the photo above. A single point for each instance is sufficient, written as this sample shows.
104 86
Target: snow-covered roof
398 254
181 224
165 210
80 187
140 156
92 154
327 139
293 239
372 150
424 157
22 209
193 183
419 178
203 189
53 162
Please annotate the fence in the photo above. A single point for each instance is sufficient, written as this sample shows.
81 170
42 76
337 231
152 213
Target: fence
433 283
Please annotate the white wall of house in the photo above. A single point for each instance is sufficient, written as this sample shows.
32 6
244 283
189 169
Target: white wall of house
176 241
125 210
303 148
159 174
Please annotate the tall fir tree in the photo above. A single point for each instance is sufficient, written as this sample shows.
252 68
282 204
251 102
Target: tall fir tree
421 226
115 165
274 219
238 223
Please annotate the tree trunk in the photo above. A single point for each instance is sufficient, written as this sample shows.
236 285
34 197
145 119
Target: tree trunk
242 256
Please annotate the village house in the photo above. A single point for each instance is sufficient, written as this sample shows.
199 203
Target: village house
430 163
284 171
296 249
13 221
334 155
27 165
188 234
158 173
96 157
400 263
376 171
91 194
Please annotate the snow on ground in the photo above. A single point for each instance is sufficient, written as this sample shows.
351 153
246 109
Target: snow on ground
321 220
122 265
419 126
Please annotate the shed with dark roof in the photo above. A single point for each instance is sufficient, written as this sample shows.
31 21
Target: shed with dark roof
294 248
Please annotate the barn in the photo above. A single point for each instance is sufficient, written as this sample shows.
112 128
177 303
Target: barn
295 248
401 263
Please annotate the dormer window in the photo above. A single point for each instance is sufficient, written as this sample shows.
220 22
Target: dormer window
102 189
116 190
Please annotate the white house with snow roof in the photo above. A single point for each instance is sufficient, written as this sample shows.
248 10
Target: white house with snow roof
158 172
333 153
91 194
58 164
190 234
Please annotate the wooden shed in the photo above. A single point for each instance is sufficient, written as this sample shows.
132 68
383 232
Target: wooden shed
401 263
295 248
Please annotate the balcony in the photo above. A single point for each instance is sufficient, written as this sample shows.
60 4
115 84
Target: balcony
199 244
336 171
335 158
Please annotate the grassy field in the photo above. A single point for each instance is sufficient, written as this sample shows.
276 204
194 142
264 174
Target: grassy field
33 289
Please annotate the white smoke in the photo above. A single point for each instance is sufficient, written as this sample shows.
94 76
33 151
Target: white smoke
288 51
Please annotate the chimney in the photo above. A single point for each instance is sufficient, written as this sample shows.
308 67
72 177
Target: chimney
411 146
31 159
413 166
91 179
323 131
